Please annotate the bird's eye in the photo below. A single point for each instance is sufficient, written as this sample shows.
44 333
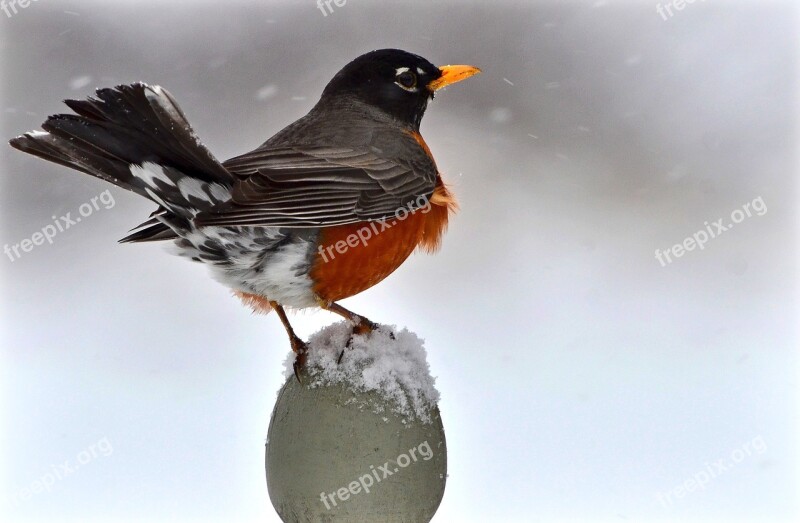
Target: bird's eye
407 80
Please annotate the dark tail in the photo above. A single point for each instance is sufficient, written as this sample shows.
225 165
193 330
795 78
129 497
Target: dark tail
136 137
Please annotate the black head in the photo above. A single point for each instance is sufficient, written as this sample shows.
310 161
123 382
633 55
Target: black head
396 82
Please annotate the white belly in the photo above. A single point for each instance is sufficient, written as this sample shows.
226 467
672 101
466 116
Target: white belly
266 261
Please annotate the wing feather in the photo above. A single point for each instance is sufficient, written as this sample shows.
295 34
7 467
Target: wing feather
306 186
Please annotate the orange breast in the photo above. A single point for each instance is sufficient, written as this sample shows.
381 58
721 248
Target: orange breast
353 258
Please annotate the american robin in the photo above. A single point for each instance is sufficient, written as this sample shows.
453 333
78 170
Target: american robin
326 208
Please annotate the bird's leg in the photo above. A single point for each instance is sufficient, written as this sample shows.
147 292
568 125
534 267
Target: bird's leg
361 325
299 347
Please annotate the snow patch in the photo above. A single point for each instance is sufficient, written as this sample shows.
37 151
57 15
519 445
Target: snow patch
389 361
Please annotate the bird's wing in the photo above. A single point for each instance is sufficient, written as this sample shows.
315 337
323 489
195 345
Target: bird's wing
308 186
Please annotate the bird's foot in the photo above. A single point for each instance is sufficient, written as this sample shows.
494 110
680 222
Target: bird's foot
300 350
363 326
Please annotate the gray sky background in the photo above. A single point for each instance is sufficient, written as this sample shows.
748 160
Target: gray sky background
580 378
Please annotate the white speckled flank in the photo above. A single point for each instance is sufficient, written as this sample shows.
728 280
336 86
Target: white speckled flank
256 260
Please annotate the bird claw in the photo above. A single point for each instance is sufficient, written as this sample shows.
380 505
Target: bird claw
364 326
301 355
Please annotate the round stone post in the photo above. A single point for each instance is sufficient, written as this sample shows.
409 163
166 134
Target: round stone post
360 440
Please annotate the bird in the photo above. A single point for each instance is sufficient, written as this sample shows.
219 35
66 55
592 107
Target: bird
323 210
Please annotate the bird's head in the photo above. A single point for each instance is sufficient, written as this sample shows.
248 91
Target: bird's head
396 82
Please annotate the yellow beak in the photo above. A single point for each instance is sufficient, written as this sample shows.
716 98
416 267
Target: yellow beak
452 74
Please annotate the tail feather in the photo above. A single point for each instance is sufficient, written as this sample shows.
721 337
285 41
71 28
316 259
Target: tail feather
150 116
152 233
151 230
136 137
58 150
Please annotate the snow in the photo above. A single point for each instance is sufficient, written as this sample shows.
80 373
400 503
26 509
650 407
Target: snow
500 115
79 82
266 92
389 361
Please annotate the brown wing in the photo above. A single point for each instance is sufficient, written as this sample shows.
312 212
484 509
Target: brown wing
309 186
